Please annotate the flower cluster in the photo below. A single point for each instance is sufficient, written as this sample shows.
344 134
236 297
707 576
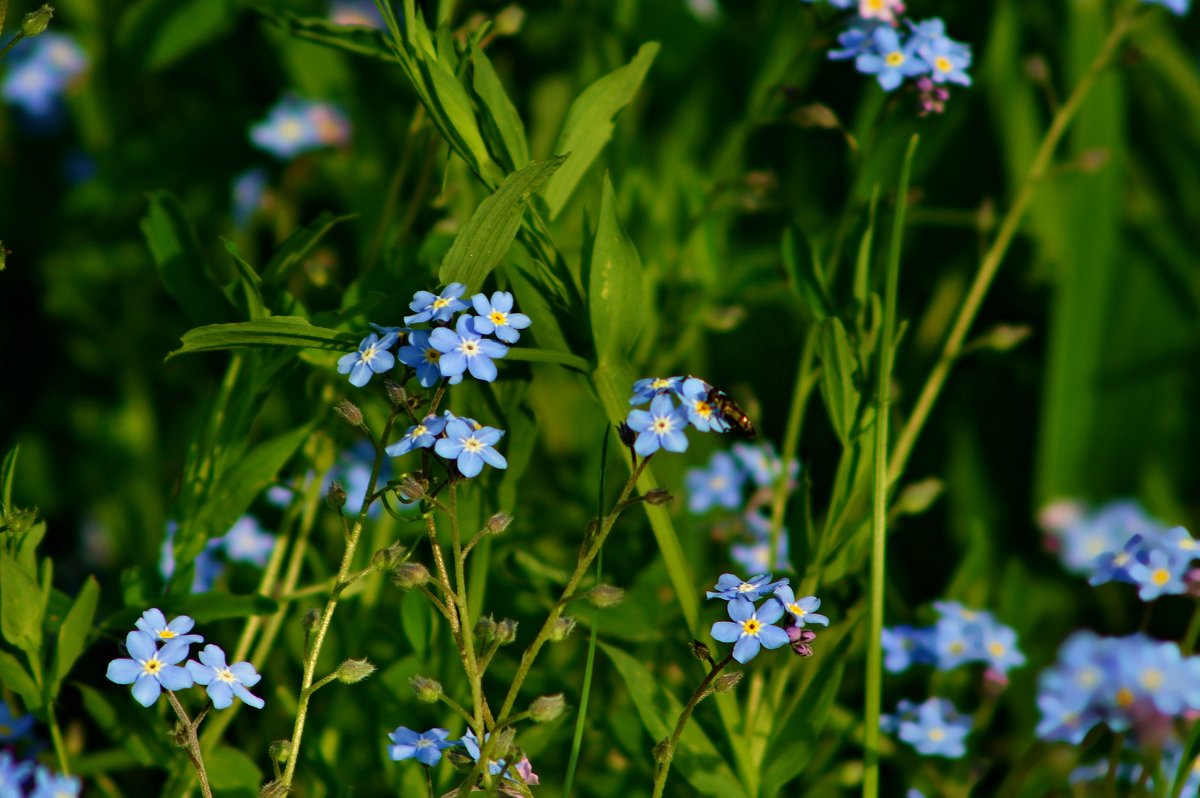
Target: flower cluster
893 48
460 440
40 72
663 425
442 351
44 783
1119 542
152 667
427 747
959 637
722 484
752 628
933 728
1132 683
245 542
295 126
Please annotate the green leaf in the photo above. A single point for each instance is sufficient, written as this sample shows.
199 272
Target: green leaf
156 33
590 123
133 737
791 757
297 247
805 273
202 607
697 760
181 265
8 470
1190 751
481 244
250 282
351 39
614 283
294 331
837 378
456 112
21 606
414 621
230 769
73 634
531 355
500 115
14 676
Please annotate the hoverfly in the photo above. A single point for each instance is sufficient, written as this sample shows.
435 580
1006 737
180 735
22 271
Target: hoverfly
729 410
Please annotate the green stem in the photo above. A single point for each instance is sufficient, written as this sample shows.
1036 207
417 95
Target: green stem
322 626
879 516
663 768
192 743
60 748
791 436
1188 645
464 613
12 43
995 254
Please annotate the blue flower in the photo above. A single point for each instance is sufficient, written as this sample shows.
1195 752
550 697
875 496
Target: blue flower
47 784
660 427
646 389
246 542
935 728
296 126
418 436
731 586
419 354
466 350
425 747
12 774
701 413
207 568
855 39
39 73
956 642
248 190
471 743
371 358
762 464
1065 717
470 448
436 307
757 555
222 681
1158 573
13 728
947 59
1000 650
353 471
719 485
889 60
751 629
361 13
150 669
154 623
803 610
1179 7
497 317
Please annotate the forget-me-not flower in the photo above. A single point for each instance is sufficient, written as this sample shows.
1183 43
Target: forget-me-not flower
295 126
150 669
39 72
732 586
12 727
470 448
371 358
436 307
659 427
361 13
803 610
12 774
247 542
649 387
154 623
935 728
222 682
419 436
422 356
496 316
465 349
425 747
889 60
751 630
719 485
48 784
701 413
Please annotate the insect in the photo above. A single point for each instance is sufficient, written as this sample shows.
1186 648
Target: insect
730 411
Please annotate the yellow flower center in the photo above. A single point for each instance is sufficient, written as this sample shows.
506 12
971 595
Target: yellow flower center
226 676
937 735
432 355
291 130
152 666
957 647
894 58
751 627
996 648
704 409
1188 544
1121 559
473 444
875 5
1087 678
1124 698
470 348
969 615
1152 678
663 425
717 483
1160 576
440 303
418 431
497 318
660 383
368 354
797 610
165 634
942 64
745 587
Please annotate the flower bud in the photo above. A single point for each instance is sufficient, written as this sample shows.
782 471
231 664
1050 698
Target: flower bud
36 22
700 650
353 671
273 789
509 20
395 392
388 558
350 412
547 708
562 628
727 681
485 629
336 497
412 487
427 690
310 618
658 496
917 497
497 524
604 596
409 575
661 748
280 750
506 631
626 435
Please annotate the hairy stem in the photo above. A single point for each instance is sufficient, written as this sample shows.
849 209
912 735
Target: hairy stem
191 742
665 755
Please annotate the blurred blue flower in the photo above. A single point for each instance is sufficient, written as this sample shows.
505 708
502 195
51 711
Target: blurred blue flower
905 646
425 747
150 669
720 484
48 784
882 10
889 60
248 189
855 40
13 728
1179 7
660 427
804 610
154 623
353 471
222 682
207 567
422 356
935 728
436 307
465 349
649 387
12 775
247 542
470 448
762 464
418 436
731 586
756 556
947 59
371 358
362 13
1000 650
295 126
751 630
39 72
496 316
701 413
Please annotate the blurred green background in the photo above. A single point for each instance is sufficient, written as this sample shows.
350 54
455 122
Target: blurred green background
718 153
